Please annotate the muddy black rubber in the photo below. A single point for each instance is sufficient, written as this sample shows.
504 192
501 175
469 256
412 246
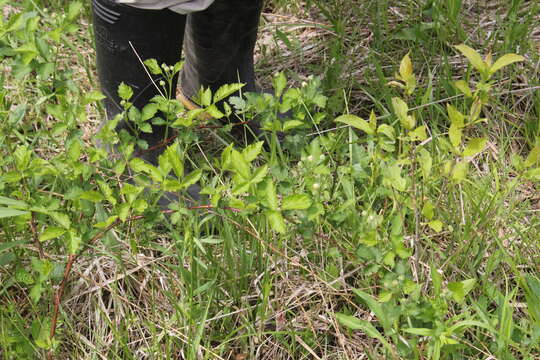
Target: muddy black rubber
219 44
123 32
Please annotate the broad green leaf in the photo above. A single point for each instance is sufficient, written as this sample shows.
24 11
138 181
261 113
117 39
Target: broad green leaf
251 152
474 146
296 202
149 111
73 242
8 212
459 171
240 165
74 9
387 130
460 289
93 96
92 196
455 133
356 122
474 58
401 109
292 124
51 233
124 91
418 134
276 221
436 225
175 160
191 179
405 67
505 60
259 175
428 210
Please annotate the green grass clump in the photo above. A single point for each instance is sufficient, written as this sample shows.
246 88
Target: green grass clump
390 210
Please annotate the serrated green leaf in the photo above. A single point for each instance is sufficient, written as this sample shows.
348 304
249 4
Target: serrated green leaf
92 196
191 178
61 218
356 122
296 202
276 221
153 66
251 152
226 91
124 91
239 164
271 196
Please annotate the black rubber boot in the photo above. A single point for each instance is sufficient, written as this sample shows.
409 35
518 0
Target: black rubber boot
156 34
219 44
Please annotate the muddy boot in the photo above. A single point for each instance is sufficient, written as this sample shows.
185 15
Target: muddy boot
219 44
125 36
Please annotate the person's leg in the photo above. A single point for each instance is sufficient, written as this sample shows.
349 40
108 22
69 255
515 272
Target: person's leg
122 32
219 44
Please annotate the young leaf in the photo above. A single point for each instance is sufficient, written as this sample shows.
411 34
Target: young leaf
356 122
474 58
124 91
251 152
153 66
296 202
505 60
280 82
271 196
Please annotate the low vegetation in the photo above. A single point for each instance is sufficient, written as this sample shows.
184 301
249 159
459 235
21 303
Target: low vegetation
390 210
